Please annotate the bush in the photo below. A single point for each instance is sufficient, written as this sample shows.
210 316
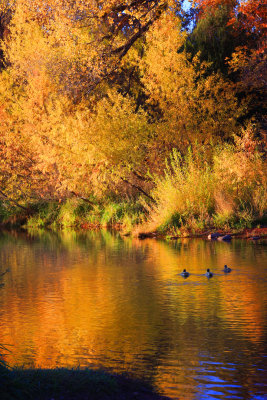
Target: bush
126 214
228 192
44 215
184 193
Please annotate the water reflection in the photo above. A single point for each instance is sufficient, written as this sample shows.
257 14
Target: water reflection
100 300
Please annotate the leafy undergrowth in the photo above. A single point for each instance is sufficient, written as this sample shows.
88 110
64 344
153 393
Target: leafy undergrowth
76 213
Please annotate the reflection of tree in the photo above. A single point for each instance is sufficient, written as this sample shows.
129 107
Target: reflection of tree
97 299
81 296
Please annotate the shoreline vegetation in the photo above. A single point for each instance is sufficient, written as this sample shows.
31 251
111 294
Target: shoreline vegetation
127 218
192 198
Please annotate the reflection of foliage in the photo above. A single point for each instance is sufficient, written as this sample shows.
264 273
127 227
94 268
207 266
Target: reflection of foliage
97 295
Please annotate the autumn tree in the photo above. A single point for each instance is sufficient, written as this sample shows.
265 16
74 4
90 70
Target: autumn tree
5 17
212 35
248 61
188 104
59 57
95 95
230 35
250 17
87 40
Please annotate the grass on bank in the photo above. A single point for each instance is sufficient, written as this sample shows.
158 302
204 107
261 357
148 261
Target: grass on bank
229 192
76 213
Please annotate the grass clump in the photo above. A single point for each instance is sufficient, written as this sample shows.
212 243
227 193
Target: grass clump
58 214
229 192
43 214
69 213
77 213
126 214
184 195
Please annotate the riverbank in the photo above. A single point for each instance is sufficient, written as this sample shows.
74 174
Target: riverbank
126 217
70 384
247 233
75 214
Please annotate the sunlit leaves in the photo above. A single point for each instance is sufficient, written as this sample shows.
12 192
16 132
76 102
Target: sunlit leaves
192 106
95 95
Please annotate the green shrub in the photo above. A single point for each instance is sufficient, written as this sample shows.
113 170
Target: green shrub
44 215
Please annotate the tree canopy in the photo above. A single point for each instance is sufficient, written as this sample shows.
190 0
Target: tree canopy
94 95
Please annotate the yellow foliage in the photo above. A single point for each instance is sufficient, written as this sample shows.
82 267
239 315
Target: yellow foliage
119 133
192 104
65 129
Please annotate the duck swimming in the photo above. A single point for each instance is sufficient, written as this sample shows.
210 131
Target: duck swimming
185 274
227 269
208 273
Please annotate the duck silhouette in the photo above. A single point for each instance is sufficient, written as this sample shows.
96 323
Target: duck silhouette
208 273
227 269
185 274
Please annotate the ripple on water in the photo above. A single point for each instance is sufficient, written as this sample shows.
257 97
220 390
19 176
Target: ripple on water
97 300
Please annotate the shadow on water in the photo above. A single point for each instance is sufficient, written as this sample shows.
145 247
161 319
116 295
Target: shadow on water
101 301
71 384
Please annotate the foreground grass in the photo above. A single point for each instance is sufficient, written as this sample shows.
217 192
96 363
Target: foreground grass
70 384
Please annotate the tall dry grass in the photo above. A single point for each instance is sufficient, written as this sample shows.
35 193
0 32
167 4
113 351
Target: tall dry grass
183 193
227 192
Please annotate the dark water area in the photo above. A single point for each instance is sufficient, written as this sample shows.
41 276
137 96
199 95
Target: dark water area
99 300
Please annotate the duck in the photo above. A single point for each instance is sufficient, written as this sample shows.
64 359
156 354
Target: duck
185 274
227 269
208 273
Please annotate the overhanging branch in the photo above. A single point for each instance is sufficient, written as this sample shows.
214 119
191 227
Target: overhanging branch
12 201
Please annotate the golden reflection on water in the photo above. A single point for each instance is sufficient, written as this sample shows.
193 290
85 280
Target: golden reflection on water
95 299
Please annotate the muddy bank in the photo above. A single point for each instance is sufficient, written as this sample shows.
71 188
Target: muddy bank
248 233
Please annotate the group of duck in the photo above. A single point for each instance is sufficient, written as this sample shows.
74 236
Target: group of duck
208 274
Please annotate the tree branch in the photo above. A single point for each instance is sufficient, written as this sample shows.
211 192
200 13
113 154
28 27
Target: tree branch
138 188
123 50
82 198
12 201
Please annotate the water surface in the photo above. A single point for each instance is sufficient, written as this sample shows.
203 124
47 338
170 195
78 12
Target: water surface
96 299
